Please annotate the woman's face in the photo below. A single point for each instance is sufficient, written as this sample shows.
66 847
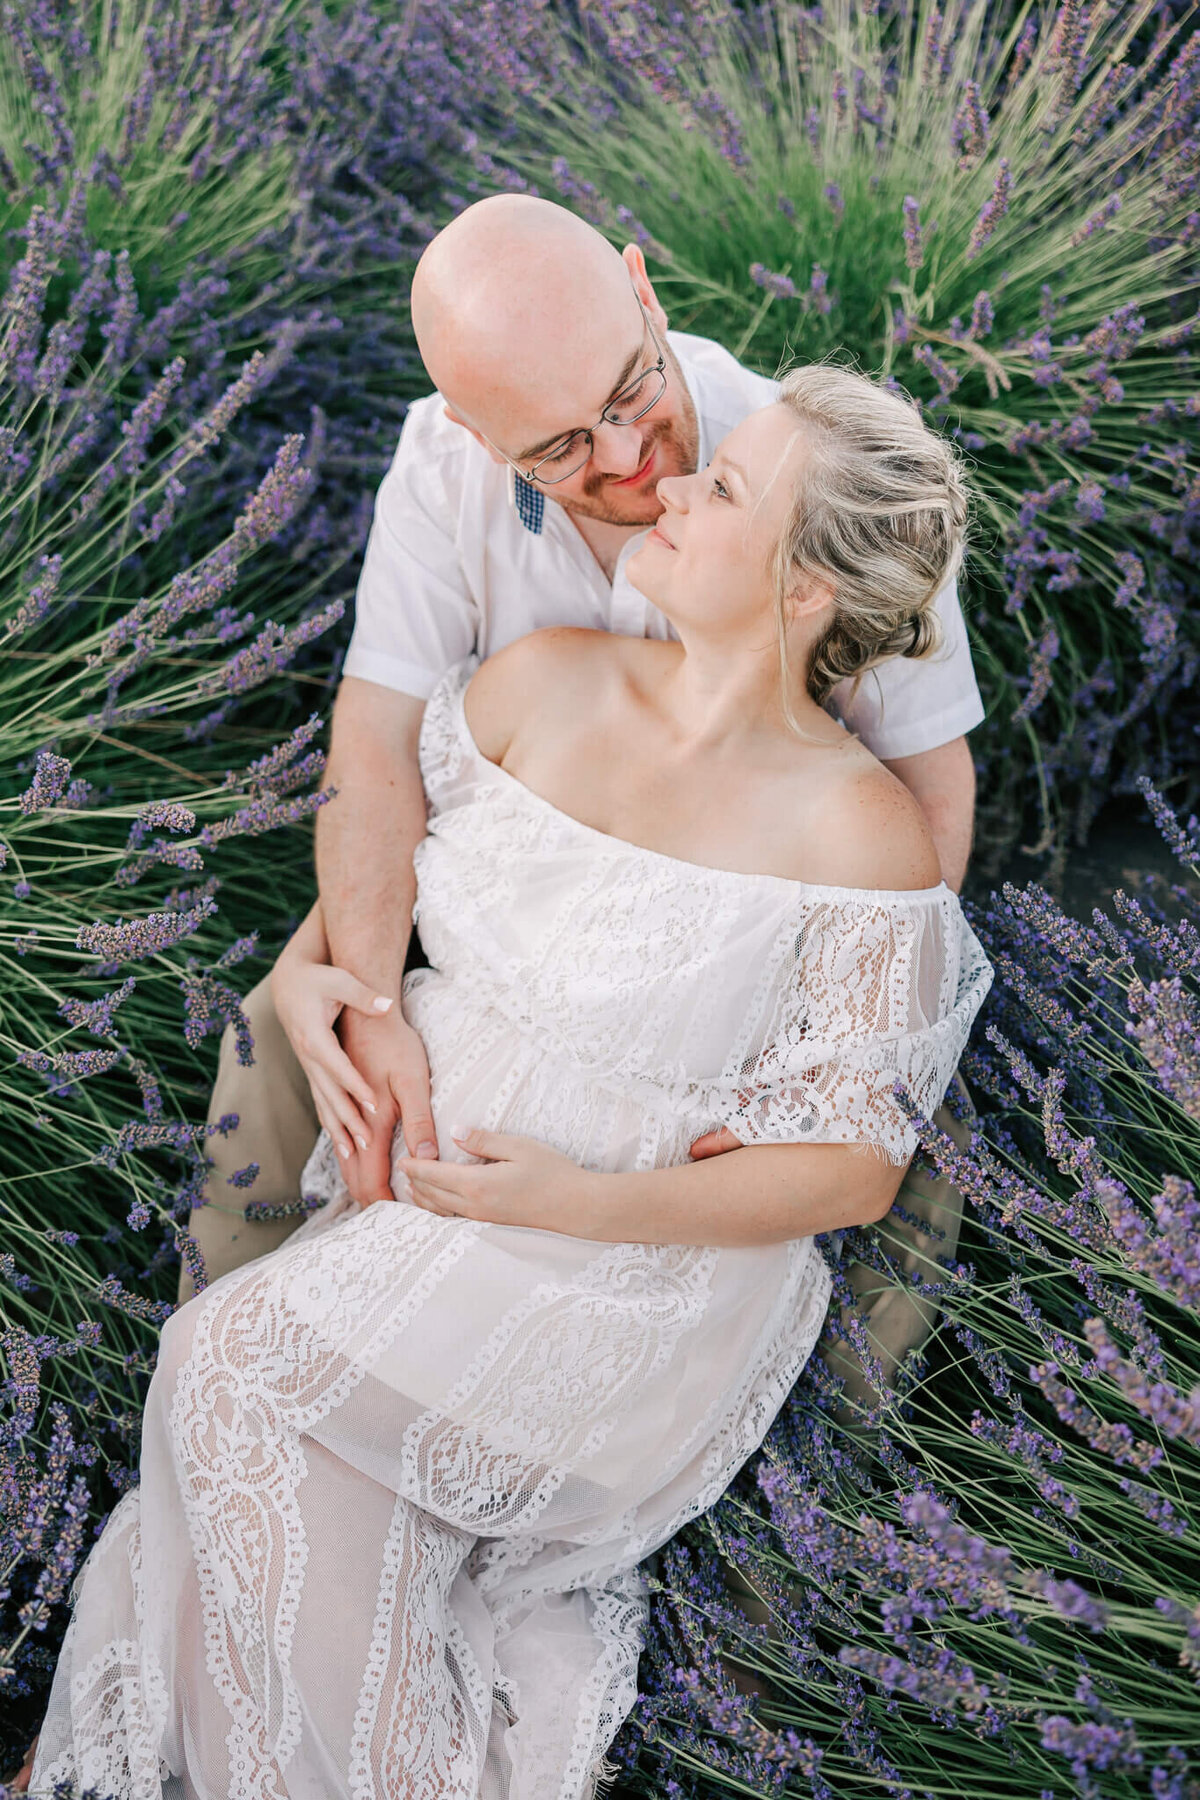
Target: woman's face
707 563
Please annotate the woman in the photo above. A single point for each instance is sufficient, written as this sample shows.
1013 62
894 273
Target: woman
397 1477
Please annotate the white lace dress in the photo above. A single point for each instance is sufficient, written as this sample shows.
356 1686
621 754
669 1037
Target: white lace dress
397 1477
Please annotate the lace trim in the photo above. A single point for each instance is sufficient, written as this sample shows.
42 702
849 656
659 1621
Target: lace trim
411 1730
260 1372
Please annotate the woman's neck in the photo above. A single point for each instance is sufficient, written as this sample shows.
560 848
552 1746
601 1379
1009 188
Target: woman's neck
714 696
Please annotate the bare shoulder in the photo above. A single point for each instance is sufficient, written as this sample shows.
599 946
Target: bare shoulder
863 829
547 669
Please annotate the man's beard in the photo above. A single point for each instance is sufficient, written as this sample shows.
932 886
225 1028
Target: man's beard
677 443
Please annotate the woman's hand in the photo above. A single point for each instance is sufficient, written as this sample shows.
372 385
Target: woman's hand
524 1182
309 994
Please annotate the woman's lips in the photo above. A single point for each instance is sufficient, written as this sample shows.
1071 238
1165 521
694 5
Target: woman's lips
638 475
662 538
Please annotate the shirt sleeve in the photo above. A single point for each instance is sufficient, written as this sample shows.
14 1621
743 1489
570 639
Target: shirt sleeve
910 704
873 995
413 613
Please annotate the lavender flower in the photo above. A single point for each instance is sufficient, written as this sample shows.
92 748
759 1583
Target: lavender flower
982 315
139 938
970 129
915 234
993 210
1097 221
50 779
782 287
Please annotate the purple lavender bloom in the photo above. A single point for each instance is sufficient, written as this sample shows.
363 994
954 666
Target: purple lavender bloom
1165 1023
41 596
169 814
97 1016
970 128
1097 221
1133 576
943 373
1069 1600
1089 502
1091 1745
147 416
983 316
781 286
993 210
139 938
915 234
50 779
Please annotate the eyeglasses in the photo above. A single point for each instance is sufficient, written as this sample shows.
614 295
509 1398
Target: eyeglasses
633 401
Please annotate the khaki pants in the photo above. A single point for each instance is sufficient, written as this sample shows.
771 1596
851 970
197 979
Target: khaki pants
277 1128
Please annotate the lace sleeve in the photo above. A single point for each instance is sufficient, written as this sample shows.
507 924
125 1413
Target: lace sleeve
866 991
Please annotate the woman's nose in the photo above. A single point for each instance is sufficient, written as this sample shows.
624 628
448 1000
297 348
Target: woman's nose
669 491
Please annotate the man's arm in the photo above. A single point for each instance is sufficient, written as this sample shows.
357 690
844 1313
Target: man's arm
366 836
942 781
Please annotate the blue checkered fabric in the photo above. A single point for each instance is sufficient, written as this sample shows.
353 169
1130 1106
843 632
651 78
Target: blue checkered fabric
531 504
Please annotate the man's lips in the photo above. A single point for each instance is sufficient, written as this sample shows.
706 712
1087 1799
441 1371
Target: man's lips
638 474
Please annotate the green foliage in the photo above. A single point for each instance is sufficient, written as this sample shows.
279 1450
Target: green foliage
766 162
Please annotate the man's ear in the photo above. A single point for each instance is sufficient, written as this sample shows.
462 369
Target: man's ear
477 435
635 262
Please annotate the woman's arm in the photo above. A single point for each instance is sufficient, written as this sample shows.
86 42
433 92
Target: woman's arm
760 1194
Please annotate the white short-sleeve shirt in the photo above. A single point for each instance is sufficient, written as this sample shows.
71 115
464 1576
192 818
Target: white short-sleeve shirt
464 556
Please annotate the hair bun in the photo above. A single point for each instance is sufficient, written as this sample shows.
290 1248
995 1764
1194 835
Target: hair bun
879 511
926 634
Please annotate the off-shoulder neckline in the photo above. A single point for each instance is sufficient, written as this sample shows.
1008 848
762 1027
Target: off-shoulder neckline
881 896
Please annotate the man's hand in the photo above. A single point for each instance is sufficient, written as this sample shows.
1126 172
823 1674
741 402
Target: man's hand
377 1075
390 1054
714 1143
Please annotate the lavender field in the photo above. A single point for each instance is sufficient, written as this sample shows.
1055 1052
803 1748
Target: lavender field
991 1584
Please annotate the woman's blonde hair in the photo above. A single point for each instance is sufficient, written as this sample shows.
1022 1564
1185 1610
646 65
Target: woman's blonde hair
880 510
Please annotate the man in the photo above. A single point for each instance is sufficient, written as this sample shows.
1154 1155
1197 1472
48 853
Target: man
518 492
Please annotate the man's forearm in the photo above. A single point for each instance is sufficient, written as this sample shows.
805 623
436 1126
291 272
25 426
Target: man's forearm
366 835
942 782
365 843
760 1194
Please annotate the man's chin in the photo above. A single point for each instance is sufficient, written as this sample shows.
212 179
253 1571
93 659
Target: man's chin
628 511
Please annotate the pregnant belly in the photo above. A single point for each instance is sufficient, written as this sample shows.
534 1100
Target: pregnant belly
488 1075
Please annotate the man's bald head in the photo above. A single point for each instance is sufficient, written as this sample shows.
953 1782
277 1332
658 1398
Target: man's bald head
512 299
530 324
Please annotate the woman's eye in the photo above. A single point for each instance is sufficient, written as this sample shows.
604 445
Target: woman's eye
721 488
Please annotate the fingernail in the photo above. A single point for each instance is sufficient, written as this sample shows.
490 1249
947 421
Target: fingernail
370 1106
342 1151
406 1187
380 1003
428 1150
360 1141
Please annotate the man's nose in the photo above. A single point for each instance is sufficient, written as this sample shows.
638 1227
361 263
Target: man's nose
617 449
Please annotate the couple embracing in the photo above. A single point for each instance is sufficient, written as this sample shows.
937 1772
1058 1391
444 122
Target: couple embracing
680 814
